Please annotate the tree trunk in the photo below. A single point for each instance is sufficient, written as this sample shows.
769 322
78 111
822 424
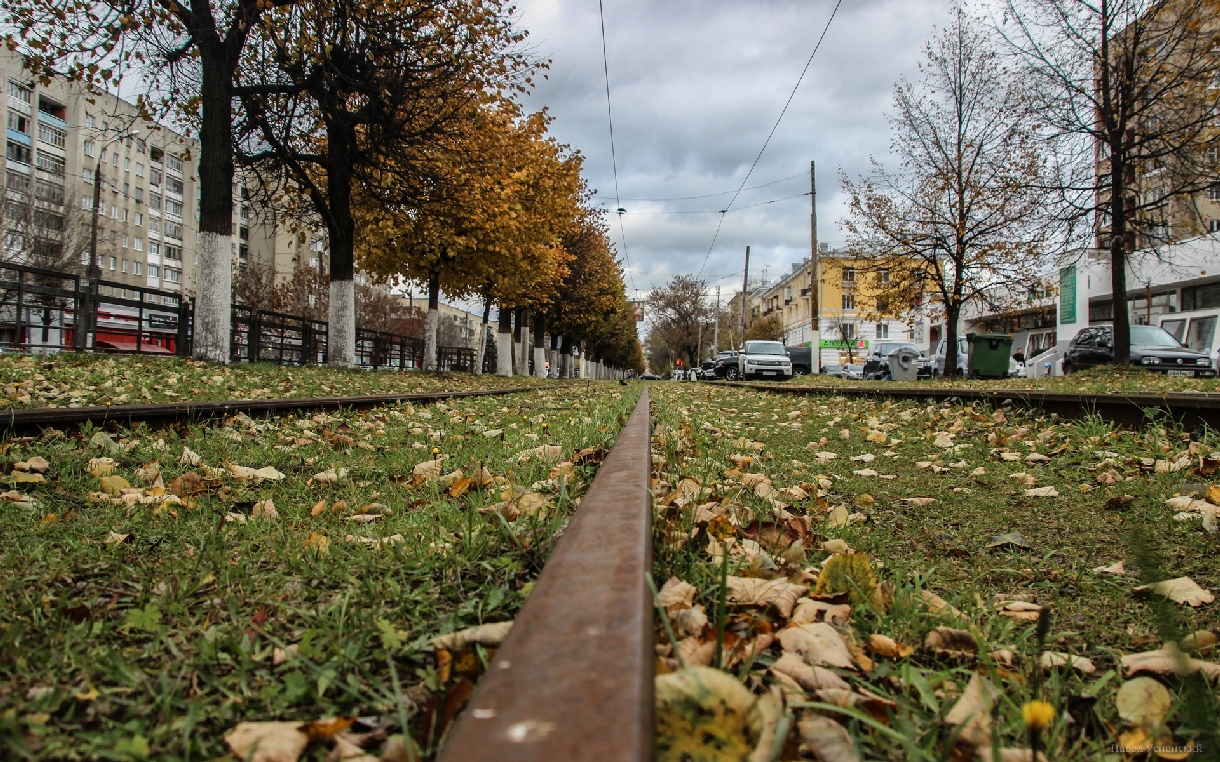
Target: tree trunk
523 345
213 303
539 348
952 311
432 322
1118 261
504 343
565 358
341 227
481 343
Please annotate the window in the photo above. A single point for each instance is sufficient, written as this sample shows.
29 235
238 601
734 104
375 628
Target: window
848 331
139 220
154 201
112 260
139 195
139 169
1213 226
154 176
155 154
45 191
126 164
18 122
849 301
48 220
173 229
123 266
18 152
849 273
154 271
50 164
86 203
52 135
313 262
114 212
173 163
137 268
87 176
90 122
883 275
173 185
173 252
139 244
114 158
124 240
172 275
114 238
883 330
19 91
88 149
1213 192
84 257
141 146
883 304
126 189
154 248
173 207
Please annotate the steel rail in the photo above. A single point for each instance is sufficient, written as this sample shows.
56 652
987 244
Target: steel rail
1192 411
17 421
573 680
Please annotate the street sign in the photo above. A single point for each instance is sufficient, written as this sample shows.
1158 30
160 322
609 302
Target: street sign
841 344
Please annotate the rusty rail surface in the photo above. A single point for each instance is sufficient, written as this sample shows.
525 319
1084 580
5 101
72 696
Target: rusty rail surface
1192 411
15 421
573 679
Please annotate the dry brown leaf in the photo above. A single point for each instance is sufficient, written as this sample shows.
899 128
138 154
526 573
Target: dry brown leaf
1165 661
1200 641
1053 659
972 712
265 509
1021 610
425 472
490 635
113 485
947 641
690 622
989 754
937 605
100 467
883 645
829 741
676 595
1115 568
1181 590
808 610
318 508
1143 702
749 591
1025 480
919 502
808 677
1049 491
460 487
267 741
545 453
818 644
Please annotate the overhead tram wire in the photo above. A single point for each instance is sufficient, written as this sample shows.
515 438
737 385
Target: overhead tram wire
726 211
722 193
618 202
770 135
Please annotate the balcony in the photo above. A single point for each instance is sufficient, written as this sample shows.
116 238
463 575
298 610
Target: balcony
52 120
848 284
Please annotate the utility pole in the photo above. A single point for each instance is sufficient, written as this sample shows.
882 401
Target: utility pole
716 329
815 284
745 289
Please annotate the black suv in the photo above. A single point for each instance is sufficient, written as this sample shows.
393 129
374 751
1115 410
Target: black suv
1152 348
726 365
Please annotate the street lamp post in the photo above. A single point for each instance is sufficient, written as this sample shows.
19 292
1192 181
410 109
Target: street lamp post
95 267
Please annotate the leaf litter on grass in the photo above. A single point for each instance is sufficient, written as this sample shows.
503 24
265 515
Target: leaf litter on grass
877 664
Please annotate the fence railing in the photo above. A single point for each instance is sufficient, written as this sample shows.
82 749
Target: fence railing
49 311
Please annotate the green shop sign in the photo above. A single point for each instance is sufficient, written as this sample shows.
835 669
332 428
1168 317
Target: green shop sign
1067 294
841 344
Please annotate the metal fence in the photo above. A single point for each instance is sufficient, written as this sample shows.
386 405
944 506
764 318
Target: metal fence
39 312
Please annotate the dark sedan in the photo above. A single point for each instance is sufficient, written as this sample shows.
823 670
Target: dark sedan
726 366
1152 348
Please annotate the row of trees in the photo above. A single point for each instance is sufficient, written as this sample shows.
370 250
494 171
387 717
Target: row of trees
1057 127
390 123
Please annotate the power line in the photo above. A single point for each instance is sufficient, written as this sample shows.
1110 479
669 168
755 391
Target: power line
771 134
722 193
601 13
724 211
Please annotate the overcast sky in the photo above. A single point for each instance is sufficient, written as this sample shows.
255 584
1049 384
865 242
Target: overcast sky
695 87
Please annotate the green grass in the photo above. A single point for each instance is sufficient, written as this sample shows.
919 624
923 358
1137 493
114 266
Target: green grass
76 380
941 546
1104 379
156 646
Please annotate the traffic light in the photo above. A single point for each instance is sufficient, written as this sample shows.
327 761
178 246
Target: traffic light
679 363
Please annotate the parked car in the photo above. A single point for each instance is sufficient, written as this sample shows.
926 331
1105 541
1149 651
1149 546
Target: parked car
802 360
764 360
877 366
938 357
723 362
853 371
1152 348
650 377
706 370
835 371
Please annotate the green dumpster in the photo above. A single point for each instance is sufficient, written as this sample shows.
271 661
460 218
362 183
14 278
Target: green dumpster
988 354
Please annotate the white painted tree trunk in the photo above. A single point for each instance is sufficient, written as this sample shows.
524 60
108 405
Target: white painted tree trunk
540 362
504 353
214 302
480 347
341 328
431 324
